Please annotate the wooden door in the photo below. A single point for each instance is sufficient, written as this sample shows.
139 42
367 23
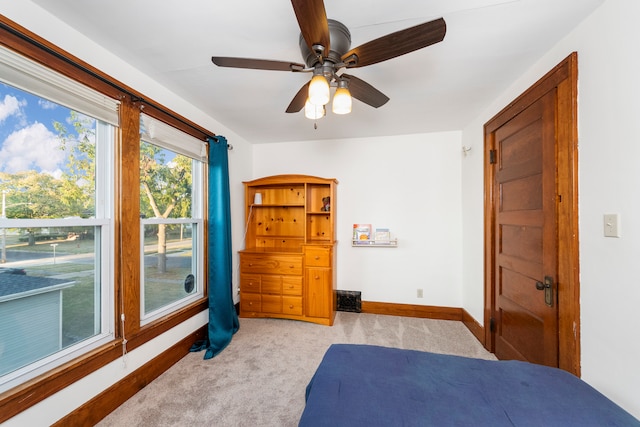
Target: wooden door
526 316
531 226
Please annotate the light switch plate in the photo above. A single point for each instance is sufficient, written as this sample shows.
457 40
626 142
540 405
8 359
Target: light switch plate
611 225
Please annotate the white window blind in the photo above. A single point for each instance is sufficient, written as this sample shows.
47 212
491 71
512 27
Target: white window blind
166 136
22 73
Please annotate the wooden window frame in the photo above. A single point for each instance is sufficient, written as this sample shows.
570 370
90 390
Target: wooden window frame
126 220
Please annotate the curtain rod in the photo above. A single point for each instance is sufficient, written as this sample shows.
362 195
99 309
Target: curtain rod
133 96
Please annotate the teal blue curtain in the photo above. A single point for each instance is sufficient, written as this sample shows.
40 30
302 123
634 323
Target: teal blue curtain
223 319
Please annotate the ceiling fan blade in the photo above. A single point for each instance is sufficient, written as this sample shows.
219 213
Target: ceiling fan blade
364 92
396 44
256 64
298 101
312 19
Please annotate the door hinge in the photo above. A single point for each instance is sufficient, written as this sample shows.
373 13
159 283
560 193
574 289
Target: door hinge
492 157
492 324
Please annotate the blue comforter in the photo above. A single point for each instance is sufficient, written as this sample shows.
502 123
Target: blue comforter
362 385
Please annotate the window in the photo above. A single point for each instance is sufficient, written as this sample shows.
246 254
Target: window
171 210
56 293
72 226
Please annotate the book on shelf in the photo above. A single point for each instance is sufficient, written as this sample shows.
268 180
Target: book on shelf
361 232
383 235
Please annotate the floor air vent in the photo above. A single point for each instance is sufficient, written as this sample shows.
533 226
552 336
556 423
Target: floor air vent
349 301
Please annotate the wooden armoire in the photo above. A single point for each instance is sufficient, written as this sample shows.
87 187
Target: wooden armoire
288 269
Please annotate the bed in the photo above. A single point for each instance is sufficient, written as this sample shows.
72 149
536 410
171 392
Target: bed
364 385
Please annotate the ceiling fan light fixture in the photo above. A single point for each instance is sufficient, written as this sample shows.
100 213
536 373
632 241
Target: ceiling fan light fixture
313 112
342 99
319 92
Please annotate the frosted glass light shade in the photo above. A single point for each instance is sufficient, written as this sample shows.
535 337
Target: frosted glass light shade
341 101
313 112
319 90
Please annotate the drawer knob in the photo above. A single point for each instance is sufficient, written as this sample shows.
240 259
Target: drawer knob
317 257
317 277
291 306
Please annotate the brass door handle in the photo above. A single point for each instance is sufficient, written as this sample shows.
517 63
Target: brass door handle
547 287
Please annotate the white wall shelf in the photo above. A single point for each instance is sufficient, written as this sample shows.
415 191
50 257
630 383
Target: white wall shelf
374 244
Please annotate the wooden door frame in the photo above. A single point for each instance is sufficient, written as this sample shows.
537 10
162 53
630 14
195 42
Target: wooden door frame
564 79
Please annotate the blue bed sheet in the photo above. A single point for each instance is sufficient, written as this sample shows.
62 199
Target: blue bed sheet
362 385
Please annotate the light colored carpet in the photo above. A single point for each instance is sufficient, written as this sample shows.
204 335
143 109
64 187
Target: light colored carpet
260 378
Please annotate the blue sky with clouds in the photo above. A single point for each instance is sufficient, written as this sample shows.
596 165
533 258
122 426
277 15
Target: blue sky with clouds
28 140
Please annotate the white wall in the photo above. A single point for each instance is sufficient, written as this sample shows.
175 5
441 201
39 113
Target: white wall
409 184
609 177
472 189
45 25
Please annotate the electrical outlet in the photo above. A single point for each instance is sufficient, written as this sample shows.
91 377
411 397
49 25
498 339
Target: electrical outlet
419 293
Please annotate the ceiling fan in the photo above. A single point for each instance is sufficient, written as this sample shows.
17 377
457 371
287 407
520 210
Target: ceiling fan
325 46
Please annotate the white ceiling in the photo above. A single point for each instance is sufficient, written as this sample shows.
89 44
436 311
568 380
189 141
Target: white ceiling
489 43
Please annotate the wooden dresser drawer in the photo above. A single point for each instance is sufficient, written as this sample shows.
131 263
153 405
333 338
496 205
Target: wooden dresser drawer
317 256
271 264
271 284
250 303
292 305
272 304
250 283
292 285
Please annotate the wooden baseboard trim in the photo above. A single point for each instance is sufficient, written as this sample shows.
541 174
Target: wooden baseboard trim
426 312
472 324
106 402
410 310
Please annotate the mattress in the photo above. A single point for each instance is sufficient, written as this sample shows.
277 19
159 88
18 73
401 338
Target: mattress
363 385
